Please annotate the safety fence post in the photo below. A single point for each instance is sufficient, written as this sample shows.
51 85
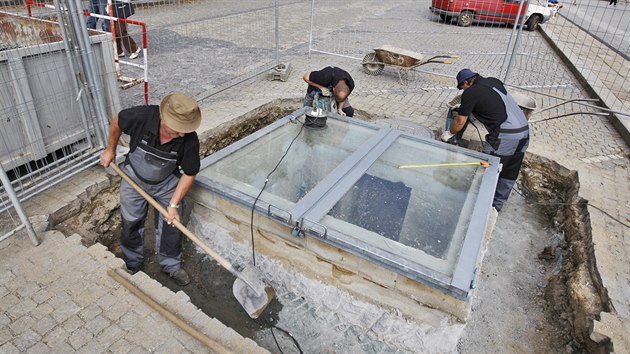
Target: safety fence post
6 183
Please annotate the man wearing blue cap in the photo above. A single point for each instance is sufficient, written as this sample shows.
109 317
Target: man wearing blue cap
508 131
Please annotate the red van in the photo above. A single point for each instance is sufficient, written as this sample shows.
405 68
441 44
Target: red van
496 11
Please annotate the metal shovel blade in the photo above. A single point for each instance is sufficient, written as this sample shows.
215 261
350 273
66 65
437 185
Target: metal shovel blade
251 292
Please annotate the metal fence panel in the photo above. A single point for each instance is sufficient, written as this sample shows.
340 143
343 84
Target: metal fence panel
50 129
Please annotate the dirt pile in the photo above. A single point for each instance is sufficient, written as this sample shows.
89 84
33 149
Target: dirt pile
575 295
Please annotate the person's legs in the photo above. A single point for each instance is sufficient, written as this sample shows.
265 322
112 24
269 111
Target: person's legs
102 9
127 41
511 153
133 210
119 45
308 99
347 109
92 8
167 237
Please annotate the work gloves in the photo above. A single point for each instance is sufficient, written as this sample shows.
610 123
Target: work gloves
446 135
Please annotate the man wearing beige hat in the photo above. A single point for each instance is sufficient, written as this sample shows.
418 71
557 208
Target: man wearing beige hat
163 159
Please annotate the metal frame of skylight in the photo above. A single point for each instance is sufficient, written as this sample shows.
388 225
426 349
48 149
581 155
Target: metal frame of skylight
309 210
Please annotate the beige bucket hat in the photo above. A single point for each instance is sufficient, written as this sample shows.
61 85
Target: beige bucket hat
180 113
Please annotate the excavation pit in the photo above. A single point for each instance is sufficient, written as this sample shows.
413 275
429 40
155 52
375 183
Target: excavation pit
309 304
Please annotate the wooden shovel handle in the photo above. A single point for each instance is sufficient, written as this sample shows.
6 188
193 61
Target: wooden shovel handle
177 224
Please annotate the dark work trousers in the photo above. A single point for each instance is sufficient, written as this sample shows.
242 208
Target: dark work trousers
133 209
310 97
98 7
511 153
124 39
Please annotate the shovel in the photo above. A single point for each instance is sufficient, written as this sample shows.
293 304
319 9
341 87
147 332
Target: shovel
249 289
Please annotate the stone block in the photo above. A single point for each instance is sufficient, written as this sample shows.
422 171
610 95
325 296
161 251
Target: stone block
65 311
117 311
281 72
128 321
97 324
56 336
44 325
39 222
98 251
39 348
79 338
120 347
21 308
41 311
335 255
73 323
74 239
111 335
22 324
433 298
5 335
171 345
8 348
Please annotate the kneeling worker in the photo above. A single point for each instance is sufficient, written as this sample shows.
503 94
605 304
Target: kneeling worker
330 79
163 143
508 131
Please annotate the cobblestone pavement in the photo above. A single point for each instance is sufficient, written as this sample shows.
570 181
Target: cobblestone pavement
586 143
58 298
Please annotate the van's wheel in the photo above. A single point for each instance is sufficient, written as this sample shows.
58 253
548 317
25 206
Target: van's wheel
533 22
446 18
369 67
465 19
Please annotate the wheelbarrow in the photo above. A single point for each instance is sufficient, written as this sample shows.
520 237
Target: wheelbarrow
405 60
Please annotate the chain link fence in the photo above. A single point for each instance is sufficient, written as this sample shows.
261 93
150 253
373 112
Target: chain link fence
205 47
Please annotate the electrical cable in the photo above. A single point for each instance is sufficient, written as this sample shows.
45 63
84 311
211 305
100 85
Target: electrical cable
478 132
275 340
251 222
286 333
251 229
564 203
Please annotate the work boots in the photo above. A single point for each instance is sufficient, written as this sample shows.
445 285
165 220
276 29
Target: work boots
180 277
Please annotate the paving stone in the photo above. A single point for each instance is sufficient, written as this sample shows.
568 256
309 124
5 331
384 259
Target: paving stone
79 338
22 324
61 347
73 323
4 320
111 334
26 340
97 324
129 321
28 289
39 348
65 311
56 336
5 335
171 345
122 346
41 311
90 312
44 325
8 348
41 296
8 301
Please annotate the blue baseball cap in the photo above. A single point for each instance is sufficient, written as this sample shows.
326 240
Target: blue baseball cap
464 75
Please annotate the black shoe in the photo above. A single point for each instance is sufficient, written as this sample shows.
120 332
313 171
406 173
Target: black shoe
180 277
134 270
